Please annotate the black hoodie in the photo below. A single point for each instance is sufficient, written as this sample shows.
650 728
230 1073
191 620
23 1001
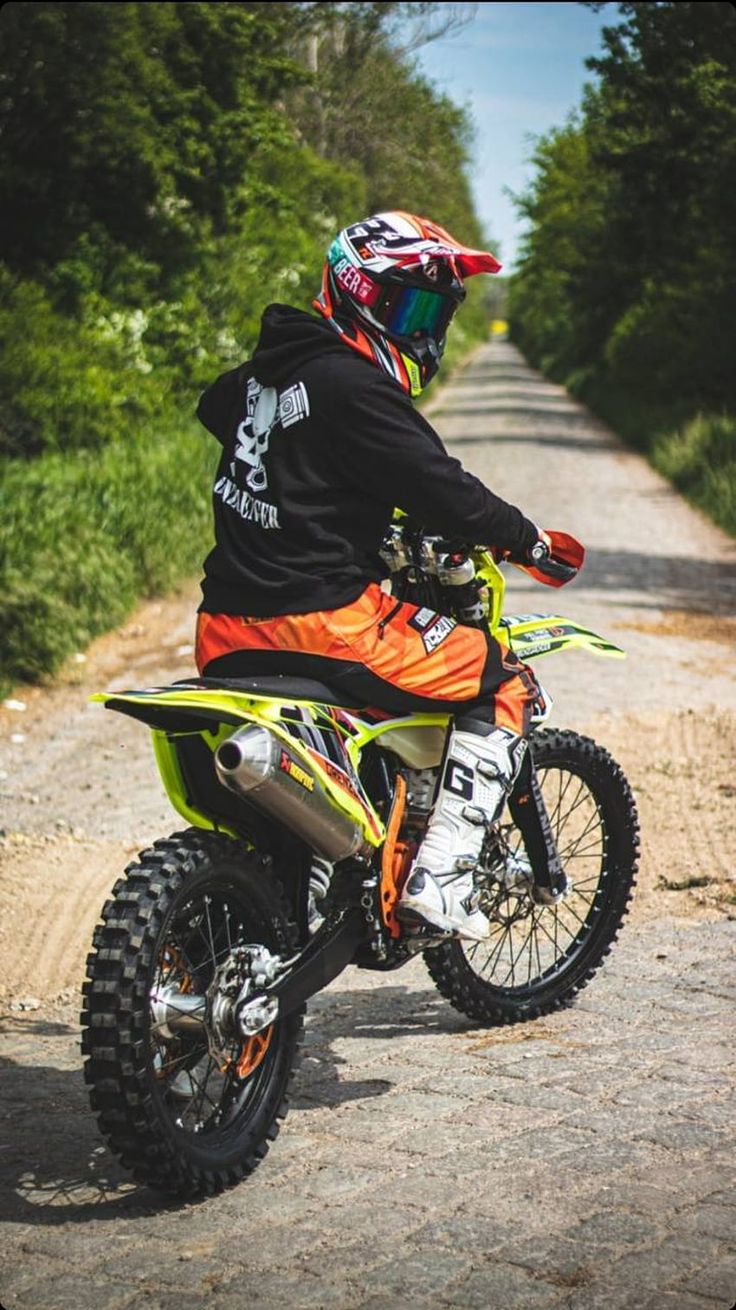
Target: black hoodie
319 446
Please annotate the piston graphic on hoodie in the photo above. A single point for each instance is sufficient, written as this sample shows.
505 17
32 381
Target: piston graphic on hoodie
264 408
252 436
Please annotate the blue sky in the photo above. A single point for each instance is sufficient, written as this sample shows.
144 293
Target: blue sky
519 68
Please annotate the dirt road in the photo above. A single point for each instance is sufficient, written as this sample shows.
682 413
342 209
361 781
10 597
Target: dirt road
578 1162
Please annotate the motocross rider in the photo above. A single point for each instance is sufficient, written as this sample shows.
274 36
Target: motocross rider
320 441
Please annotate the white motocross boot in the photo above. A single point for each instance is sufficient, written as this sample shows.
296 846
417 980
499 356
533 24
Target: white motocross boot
479 774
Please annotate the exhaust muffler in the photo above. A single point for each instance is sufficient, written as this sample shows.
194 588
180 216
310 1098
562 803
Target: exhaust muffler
256 765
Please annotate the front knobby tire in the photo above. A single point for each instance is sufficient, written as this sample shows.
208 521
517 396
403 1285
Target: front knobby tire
539 957
181 1121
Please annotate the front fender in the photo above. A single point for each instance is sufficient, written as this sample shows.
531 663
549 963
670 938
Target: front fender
530 635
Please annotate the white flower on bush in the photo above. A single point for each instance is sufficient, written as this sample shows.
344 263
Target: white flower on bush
168 205
226 342
126 328
289 276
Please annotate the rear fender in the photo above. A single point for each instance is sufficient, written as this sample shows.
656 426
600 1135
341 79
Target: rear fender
212 715
530 635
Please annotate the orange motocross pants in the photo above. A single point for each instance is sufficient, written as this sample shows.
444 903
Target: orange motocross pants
392 656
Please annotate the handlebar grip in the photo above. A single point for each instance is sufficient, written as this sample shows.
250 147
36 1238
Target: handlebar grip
554 566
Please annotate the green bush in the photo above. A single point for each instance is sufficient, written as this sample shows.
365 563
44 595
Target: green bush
68 381
700 459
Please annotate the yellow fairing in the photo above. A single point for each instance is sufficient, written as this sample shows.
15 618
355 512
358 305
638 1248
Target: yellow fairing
530 635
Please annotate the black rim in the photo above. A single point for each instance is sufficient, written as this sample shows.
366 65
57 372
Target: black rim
203 1095
532 944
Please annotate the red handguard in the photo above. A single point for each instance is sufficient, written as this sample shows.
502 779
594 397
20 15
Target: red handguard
564 562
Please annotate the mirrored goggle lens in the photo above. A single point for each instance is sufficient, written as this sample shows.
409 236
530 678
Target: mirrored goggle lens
408 311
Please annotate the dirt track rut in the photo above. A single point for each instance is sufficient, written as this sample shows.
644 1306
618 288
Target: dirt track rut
582 1161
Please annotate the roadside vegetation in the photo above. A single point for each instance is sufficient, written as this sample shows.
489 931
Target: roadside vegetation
626 291
167 171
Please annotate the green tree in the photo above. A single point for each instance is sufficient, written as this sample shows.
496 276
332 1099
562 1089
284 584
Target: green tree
628 279
131 128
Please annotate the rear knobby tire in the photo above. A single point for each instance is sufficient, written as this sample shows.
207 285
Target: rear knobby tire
170 1113
538 958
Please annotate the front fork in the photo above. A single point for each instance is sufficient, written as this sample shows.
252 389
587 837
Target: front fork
529 813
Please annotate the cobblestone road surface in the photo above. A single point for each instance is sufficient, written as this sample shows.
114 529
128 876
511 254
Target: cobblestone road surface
584 1161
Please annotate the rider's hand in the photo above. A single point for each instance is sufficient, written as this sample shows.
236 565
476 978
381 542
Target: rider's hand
539 549
540 558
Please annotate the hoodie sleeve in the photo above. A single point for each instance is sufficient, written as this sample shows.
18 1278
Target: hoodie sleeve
387 448
217 409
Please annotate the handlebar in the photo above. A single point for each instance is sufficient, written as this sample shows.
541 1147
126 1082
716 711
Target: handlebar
554 565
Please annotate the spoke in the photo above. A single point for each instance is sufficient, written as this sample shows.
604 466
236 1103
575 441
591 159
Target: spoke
529 943
567 906
518 957
563 782
489 964
514 960
494 955
536 917
541 924
561 794
169 1065
209 942
197 929
579 800
572 853
198 1103
574 841
209 928
593 821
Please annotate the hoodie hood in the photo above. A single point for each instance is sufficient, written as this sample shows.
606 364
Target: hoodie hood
290 339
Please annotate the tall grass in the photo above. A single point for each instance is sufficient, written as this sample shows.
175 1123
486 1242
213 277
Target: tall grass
700 460
696 453
84 535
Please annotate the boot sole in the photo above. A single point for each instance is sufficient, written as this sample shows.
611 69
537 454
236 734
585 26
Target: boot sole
419 918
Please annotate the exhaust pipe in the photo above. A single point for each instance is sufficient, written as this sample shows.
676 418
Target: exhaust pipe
256 765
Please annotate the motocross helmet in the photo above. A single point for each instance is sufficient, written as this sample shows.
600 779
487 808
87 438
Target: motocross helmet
390 287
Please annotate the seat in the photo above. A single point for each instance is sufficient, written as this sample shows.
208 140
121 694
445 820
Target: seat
278 686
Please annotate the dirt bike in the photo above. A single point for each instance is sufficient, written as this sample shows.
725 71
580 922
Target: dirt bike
306 812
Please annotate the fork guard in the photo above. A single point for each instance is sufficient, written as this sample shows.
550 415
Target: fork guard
529 812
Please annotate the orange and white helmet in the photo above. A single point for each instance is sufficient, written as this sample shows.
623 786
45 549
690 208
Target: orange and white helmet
390 287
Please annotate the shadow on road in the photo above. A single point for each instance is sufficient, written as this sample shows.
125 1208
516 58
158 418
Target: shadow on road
506 373
677 581
528 438
519 402
54 1166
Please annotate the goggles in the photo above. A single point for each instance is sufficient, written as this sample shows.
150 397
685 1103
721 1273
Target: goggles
414 312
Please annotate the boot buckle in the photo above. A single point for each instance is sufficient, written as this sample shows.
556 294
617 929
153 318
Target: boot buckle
465 864
474 815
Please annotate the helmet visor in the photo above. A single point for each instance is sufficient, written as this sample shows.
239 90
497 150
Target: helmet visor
414 312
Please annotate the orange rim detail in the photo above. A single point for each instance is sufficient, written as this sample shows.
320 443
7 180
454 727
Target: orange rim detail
253 1052
172 961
